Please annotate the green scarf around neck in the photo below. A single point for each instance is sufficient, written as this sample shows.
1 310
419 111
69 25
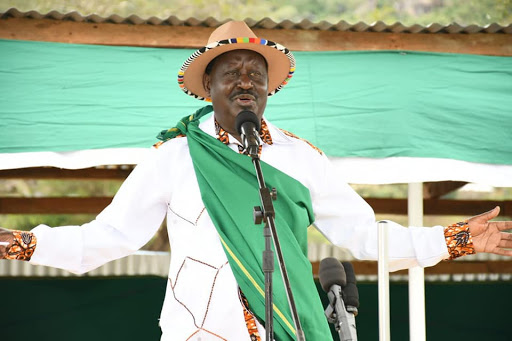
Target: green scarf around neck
229 190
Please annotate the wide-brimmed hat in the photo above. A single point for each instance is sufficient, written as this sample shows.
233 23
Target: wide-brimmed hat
236 35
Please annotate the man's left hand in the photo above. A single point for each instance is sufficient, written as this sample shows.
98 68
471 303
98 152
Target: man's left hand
488 236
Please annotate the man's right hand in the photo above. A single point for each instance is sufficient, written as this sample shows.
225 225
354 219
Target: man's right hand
5 236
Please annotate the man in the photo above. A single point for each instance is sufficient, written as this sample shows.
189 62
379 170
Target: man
200 178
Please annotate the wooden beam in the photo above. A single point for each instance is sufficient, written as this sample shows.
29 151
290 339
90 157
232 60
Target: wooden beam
71 205
67 174
165 36
445 267
441 207
74 205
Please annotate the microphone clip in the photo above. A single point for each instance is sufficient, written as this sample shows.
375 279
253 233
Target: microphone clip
251 143
334 296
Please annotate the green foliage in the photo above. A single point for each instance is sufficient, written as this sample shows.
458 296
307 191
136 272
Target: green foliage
472 12
409 12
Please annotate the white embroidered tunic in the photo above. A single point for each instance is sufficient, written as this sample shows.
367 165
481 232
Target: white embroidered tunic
201 301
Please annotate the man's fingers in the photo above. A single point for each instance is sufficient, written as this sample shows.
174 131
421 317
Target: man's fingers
502 252
505 243
506 235
488 215
503 225
492 213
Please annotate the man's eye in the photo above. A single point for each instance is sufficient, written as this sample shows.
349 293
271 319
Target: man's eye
232 73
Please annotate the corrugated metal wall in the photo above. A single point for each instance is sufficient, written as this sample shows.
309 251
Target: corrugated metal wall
148 263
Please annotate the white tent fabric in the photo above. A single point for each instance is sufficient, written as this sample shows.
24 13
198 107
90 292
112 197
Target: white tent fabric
352 170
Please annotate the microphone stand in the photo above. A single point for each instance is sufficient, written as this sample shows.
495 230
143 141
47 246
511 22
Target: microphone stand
266 211
339 315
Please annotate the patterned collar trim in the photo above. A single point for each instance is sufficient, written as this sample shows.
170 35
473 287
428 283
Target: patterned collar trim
223 135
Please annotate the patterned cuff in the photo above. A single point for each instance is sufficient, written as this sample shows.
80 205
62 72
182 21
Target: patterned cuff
458 240
22 247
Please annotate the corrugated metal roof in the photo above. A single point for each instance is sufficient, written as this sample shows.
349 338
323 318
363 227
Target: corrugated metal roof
265 23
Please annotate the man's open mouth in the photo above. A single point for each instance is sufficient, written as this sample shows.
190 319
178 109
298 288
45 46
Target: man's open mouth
244 99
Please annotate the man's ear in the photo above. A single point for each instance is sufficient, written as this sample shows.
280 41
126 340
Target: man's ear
206 83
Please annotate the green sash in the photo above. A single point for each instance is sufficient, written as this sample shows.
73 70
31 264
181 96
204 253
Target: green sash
229 190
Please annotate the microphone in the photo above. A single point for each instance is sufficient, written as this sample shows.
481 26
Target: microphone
331 273
248 126
350 292
333 278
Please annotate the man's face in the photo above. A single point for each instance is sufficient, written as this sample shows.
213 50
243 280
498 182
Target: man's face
238 81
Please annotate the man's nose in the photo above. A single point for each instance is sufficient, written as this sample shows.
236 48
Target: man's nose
244 81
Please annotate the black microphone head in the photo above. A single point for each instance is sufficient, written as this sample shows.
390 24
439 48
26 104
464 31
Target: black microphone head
331 273
350 293
349 271
244 117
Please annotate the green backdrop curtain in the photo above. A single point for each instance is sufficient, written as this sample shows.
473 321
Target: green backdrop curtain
67 97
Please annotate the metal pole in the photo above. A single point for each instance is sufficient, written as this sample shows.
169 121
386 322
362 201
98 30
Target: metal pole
266 212
417 329
384 331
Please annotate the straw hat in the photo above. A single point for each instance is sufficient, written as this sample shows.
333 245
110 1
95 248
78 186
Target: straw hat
236 35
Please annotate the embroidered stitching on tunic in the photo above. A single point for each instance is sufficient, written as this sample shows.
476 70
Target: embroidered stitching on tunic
287 133
22 247
159 143
209 332
211 292
200 214
458 240
173 286
188 221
